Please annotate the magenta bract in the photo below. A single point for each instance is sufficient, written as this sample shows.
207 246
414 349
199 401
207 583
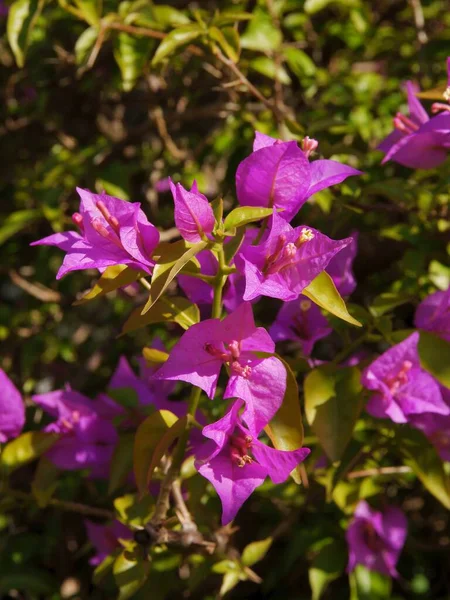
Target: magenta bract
112 232
12 409
401 387
204 348
375 539
194 216
236 462
433 314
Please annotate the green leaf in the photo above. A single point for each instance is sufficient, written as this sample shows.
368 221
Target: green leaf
434 353
268 67
230 580
388 301
131 54
130 575
121 462
26 448
33 581
112 278
369 585
165 272
132 511
261 33
176 39
164 444
228 17
174 308
45 481
103 569
22 17
228 40
169 16
16 222
326 566
90 9
148 436
299 62
421 456
256 551
323 292
84 44
243 215
333 402
285 430
217 206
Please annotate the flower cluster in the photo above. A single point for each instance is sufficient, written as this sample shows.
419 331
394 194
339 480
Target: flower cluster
227 269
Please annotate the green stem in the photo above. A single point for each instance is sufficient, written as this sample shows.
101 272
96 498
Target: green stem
220 280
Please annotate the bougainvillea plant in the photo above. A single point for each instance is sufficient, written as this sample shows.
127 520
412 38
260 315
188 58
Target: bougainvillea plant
234 411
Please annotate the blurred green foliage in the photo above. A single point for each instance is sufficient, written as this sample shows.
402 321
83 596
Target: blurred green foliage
120 95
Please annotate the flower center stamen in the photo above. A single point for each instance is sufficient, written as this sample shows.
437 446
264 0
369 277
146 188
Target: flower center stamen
401 378
239 448
309 145
405 124
230 357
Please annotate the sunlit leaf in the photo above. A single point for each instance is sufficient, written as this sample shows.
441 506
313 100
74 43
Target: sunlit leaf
423 459
90 9
168 308
164 444
285 430
326 566
148 436
26 448
176 39
243 215
130 575
333 403
255 551
165 272
22 17
17 221
323 292
111 279
45 481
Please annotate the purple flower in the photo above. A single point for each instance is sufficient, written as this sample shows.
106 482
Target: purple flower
4 9
278 174
194 216
204 348
12 409
433 314
375 539
113 232
236 462
340 267
86 438
105 539
287 261
402 388
418 141
436 427
300 321
149 391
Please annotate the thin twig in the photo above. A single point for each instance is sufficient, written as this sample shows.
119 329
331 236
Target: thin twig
184 515
419 21
38 291
82 509
379 471
158 117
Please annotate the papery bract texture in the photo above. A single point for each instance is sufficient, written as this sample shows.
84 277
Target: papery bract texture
287 261
300 321
279 175
204 348
401 387
436 427
340 268
194 216
235 462
86 439
375 539
433 314
418 141
112 232
12 409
